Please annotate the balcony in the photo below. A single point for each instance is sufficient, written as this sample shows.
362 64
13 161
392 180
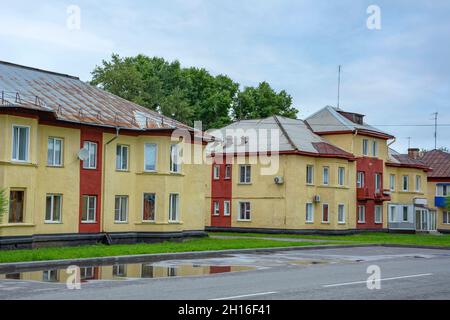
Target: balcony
385 195
363 194
440 202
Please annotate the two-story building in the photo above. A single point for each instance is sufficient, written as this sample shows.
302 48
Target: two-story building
81 165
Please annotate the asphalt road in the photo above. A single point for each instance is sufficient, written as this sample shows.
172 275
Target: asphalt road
318 274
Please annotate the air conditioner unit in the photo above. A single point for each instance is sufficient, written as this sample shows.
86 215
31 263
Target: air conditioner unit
317 199
278 180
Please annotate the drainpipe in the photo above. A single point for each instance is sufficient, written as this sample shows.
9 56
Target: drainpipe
104 176
391 143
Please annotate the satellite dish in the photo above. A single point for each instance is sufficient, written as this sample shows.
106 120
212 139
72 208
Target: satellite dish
83 154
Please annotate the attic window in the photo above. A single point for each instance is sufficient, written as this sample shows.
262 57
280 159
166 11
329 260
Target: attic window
358 119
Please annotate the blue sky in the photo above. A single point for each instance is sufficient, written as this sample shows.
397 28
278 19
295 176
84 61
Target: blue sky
398 75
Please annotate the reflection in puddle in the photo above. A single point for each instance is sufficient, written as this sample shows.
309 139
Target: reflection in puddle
125 272
308 262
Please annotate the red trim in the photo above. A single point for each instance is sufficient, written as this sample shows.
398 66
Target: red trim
221 191
360 132
91 179
271 153
445 179
403 165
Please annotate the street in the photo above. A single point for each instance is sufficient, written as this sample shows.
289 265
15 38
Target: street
406 273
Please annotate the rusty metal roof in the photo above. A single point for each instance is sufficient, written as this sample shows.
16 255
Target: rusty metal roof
73 100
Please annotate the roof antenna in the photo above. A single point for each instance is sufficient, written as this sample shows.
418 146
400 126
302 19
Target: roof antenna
339 87
436 114
409 142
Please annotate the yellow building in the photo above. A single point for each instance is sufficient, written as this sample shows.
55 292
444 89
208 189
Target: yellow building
81 165
301 184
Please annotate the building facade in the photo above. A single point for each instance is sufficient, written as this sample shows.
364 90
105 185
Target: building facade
81 165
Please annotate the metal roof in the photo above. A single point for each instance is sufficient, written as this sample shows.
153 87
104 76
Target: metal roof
397 159
73 100
439 161
292 134
328 119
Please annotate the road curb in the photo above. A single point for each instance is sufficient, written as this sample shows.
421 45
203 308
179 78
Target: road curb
151 258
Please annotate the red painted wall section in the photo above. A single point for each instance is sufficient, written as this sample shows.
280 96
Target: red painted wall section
370 166
91 179
221 191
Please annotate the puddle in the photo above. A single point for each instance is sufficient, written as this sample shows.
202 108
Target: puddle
308 262
121 272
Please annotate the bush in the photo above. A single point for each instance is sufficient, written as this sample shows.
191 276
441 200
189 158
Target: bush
3 203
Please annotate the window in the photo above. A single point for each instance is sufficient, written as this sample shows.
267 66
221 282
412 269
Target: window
309 213
89 209
150 151
309 174
50 275
361 214
360 179
16 206
228 171
87 273
245 174
326 175
216 172
418 183
55 152
375 148
341 176
365 147
392 214
405 183
226 208
244 211
121 209
405 214
216 209
175 158
174 207
149 207
446 217
378 214
53 208
91 162
325 213
392 182
20 143
377 182
122 153
120 270
442 191
341 213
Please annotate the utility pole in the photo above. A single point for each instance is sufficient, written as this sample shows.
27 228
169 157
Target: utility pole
339 87
436 114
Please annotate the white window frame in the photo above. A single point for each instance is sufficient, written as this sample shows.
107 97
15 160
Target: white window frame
323 212
247 174
326 176
363 212
155 145
248 210
393 214
341 176
440 191
177 212
227 208
360 179
341 215
403 214
52 207
216 172
175 158
309 210
90 221
375 148
87 164
378 182
365 147
446 217
378 211
61 157
418 183
407 183
216 208
392 182
120 160
310 174
143 206
119 210
227 173
14 157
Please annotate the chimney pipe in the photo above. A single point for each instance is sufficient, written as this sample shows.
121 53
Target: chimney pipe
413 153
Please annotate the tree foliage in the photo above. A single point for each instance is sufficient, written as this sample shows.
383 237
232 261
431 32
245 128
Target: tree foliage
3 203
188 94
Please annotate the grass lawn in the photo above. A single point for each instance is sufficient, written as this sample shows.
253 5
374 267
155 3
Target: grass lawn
363 238
204 244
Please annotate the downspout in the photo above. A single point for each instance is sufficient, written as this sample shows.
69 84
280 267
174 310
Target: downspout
104 176
391 143
353 140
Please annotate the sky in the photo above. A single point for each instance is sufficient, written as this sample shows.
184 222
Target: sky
398 75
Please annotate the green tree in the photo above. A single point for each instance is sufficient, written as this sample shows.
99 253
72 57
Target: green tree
3 203
263 102
447 203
